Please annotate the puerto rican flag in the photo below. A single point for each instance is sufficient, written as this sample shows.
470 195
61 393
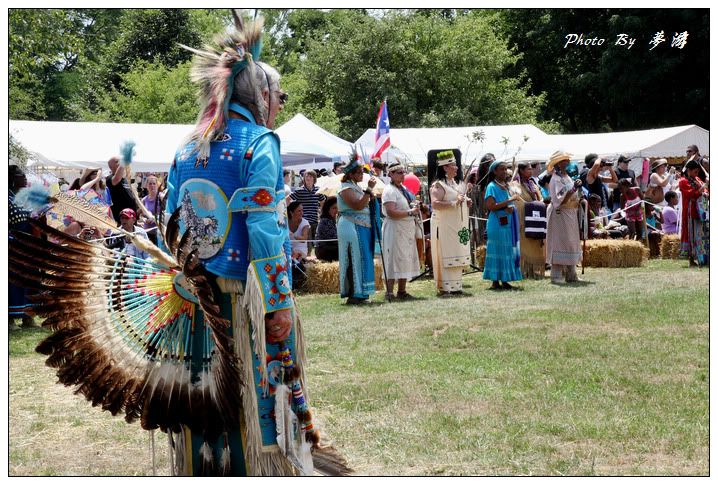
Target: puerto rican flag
381 138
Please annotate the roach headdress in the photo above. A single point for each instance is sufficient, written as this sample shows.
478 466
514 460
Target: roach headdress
215 69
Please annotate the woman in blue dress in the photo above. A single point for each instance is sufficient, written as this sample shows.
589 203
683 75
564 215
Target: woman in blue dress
356 240
503 256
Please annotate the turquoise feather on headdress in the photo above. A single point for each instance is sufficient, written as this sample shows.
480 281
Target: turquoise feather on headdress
127 150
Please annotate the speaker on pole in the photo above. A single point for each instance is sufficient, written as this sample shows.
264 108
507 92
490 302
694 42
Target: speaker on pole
432 167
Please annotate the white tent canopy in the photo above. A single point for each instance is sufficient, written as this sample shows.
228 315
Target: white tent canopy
413 144
506 142
76 145
307 145
659 142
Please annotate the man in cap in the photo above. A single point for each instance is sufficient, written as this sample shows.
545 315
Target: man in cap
128 222
622 172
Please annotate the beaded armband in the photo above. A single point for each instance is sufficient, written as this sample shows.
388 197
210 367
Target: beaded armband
274 282
249 199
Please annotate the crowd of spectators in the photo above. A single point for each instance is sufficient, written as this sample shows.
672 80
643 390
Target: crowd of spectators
672 200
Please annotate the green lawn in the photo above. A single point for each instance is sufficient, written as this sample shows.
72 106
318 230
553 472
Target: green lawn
606 377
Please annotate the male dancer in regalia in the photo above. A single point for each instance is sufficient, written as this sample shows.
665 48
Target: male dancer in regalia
228 186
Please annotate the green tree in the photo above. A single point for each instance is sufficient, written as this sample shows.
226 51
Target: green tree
320 112
42 43
17 153
433 70
150 93
149 35
608 87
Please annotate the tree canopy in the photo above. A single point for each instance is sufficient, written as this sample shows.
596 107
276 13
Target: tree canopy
435 67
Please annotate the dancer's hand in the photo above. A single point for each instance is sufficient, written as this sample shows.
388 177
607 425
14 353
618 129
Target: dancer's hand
278 325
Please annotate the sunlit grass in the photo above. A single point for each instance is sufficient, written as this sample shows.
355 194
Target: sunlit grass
609 377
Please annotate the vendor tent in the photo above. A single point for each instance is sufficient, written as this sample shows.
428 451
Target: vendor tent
76 144
60 144
659 142
306 145
413 144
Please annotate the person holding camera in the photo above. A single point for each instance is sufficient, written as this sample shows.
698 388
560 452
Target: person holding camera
128 219
623 172
563 242
593 176
661 181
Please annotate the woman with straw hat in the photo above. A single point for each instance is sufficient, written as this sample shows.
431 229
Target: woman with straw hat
401 259
661 181
449 227
563 243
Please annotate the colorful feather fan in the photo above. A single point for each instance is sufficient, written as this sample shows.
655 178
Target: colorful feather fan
123 331
124 336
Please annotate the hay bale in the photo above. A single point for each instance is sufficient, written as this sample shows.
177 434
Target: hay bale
614 253
670 246
480 256
323 277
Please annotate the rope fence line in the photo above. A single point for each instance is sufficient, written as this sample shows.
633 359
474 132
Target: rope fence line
609 215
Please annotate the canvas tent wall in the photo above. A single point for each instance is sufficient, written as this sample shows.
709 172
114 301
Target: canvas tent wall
659 142
412 144
72 144
307 145
76 145
507 141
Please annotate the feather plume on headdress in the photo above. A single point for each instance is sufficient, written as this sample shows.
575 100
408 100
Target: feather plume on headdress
214 70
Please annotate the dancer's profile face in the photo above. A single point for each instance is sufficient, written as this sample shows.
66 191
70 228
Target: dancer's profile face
276 105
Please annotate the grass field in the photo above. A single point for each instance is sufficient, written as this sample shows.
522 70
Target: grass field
605 377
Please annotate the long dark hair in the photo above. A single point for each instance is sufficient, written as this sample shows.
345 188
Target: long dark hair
484 165
492 175
521 166
331 201
292 207
345 177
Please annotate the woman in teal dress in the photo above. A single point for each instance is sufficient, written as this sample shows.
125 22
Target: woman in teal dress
356 237
503 256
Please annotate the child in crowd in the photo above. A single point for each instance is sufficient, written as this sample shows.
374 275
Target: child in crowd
632 208
670 214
